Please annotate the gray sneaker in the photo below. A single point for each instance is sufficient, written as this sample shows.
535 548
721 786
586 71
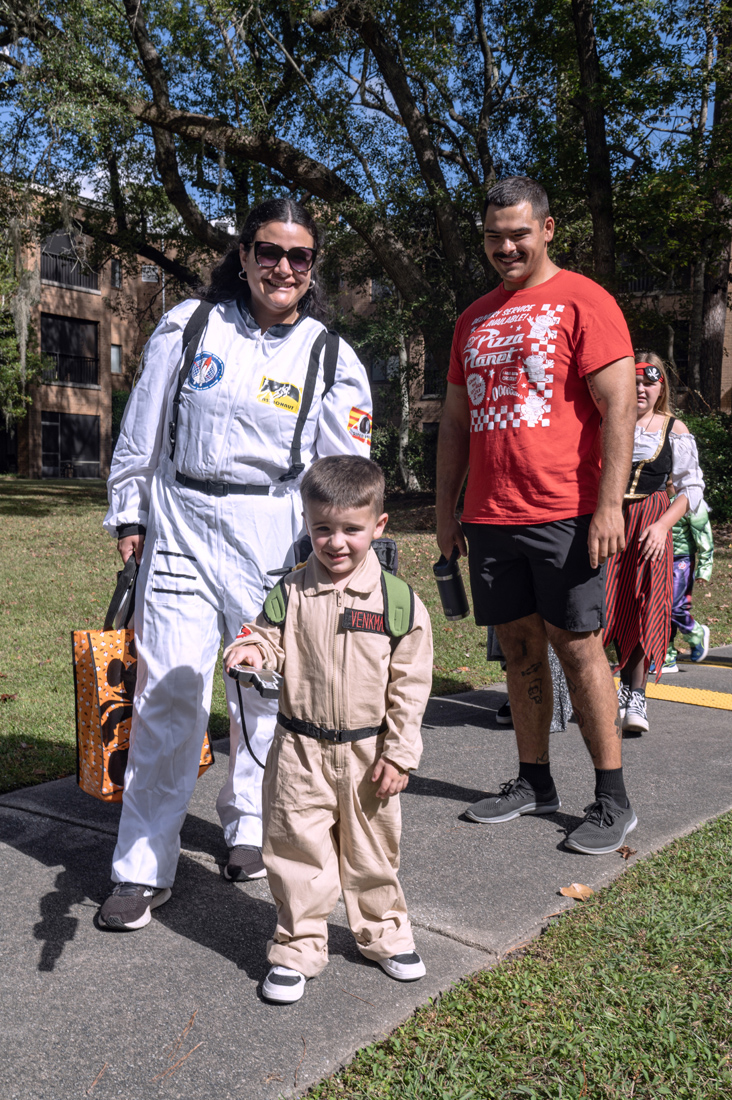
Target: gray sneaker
128 906
244 863
517 797
604 829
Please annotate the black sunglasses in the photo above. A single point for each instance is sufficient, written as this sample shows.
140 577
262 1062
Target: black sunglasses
269 255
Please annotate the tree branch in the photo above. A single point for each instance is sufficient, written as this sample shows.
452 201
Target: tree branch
165 153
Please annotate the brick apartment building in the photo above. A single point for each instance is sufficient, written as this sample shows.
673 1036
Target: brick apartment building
88 331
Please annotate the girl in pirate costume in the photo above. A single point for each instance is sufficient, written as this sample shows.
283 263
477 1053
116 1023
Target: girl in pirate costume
639 584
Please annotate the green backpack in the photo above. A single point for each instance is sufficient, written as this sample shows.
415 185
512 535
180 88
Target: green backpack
398 605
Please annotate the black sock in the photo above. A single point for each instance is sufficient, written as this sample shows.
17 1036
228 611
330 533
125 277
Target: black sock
610 781
538 775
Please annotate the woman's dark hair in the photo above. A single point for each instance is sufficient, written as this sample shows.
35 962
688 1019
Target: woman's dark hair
225 283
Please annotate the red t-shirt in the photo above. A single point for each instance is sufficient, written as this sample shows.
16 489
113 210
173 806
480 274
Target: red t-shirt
534 428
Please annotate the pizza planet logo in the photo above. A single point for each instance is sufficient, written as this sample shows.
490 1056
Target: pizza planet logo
283 395
359 425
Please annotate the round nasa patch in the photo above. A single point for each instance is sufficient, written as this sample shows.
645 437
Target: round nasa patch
206 371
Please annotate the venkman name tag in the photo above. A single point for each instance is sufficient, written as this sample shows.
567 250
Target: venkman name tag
369 621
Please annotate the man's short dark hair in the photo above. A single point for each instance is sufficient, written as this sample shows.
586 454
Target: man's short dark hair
343 482
515 190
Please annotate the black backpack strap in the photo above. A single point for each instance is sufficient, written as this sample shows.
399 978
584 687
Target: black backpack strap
330 360
191 339
296 464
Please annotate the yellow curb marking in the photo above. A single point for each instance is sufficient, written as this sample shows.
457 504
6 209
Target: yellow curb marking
718 700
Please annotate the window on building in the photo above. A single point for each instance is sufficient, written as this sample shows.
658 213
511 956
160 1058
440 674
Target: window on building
116 273
116 358
69 445
380 290
63 262
149 273
69 350
383 370
434 382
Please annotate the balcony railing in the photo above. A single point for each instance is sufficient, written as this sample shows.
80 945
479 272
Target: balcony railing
80 370
69 271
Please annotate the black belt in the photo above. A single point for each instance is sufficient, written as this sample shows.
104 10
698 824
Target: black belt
221 488
295 725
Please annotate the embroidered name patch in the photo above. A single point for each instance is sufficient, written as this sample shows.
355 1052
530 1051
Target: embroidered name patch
283 395
206 371
359 425
369 621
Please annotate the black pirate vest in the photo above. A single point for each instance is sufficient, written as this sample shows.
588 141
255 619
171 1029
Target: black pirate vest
649 475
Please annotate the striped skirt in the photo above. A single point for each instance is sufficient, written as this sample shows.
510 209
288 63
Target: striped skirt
639 593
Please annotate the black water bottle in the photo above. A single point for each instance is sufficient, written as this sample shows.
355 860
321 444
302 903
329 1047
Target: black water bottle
450 586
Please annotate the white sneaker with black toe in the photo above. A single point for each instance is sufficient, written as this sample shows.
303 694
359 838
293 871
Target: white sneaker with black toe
407 967
283 985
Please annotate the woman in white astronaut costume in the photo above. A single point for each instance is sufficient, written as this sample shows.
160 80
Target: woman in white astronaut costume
214 518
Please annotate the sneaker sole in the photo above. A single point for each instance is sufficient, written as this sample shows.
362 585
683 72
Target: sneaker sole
119 925
283 995
241 876
532 809
635 725
606 850
502 721
419 969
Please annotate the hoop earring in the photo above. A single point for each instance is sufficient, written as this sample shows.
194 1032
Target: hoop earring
243 275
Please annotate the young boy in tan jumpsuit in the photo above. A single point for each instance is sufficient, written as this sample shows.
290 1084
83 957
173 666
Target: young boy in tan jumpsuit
348 734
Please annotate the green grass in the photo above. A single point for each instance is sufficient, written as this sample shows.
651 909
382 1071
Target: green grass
57 574
628 995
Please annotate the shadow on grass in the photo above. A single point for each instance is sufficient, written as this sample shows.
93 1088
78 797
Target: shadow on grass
30 499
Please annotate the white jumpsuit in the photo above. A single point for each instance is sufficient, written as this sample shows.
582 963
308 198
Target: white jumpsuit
206 558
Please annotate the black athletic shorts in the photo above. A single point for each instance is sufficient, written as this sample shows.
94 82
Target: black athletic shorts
520 569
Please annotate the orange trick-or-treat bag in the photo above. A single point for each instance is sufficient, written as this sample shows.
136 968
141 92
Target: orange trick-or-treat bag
105 669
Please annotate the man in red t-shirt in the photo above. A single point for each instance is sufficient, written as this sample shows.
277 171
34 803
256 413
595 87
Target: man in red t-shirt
537 366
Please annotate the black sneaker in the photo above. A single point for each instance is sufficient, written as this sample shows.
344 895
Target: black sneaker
283 985
128 906
604 829
503 714
245 863
517 797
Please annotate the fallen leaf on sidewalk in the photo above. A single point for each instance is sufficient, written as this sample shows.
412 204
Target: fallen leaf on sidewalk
626 852
577 891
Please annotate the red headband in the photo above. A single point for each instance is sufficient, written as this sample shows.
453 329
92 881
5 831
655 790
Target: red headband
655 373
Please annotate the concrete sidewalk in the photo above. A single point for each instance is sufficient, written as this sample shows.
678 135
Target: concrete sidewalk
76 1000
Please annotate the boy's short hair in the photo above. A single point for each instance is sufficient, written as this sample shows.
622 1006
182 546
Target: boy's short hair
515 190
344 481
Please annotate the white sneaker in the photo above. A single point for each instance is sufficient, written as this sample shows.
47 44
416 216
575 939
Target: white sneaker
283 985
407 967
636 717
623 697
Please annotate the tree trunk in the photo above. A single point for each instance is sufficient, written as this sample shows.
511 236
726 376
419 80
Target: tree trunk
409 479
716 283
599 176
716 304
696 321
